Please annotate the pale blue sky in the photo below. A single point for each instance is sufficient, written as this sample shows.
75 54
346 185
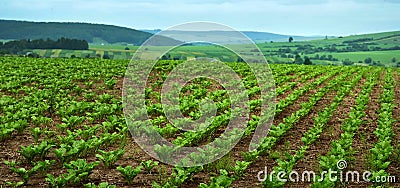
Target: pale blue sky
293 17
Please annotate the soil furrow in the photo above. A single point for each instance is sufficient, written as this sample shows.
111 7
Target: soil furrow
330 133
394 167
364 137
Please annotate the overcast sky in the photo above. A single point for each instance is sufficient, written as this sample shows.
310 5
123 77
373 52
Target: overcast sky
292 17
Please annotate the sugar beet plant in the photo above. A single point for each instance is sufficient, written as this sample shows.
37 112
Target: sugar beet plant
129 172
383 148
109 158
69 112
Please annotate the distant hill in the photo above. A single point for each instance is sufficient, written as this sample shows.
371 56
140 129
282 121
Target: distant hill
255 36
152 31
93 33
267 37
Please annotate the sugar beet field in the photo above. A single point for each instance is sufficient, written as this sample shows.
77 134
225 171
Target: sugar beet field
62 125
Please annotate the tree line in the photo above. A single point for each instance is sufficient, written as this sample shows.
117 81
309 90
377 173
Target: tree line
17 46
309 49
17 30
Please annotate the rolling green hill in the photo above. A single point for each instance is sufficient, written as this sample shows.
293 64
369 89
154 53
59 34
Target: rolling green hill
386 38
93 33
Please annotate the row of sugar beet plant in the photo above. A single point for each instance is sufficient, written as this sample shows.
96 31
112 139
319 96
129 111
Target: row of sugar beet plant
180 175
77 114
343 84
70 110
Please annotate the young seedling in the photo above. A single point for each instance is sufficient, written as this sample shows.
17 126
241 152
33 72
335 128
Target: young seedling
79 169
60 181
31 151
180 174
164 152
26 174
110 83
10 163
223 180
109 158
36 132
62 126
148 165
129 172
44 148
44 165
20 125
15 184
23 173
89 84
73 121
240 167
5 133
101 185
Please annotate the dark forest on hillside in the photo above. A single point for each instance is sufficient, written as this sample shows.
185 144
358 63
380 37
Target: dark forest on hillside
17 30
16 46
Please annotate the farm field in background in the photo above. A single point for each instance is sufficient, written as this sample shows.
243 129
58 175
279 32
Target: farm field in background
62 124
113 52
383 49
